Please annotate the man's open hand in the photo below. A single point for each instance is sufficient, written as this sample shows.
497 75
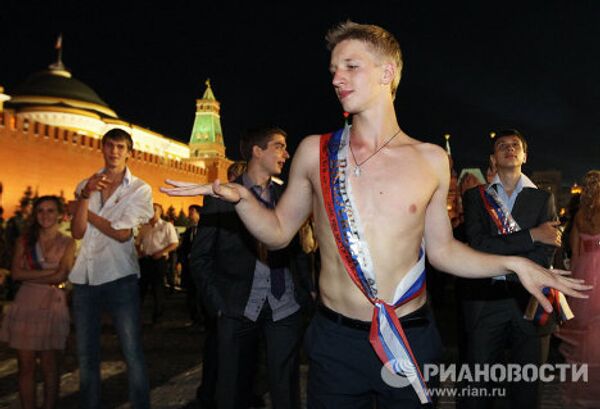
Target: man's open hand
535 278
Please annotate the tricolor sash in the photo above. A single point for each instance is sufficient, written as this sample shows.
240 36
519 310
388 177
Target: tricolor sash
33 255
498 211
386 335
507 224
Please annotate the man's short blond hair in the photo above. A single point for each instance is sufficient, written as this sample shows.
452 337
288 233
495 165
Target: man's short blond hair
380 40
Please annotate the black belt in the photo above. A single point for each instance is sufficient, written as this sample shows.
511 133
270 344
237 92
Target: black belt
416 318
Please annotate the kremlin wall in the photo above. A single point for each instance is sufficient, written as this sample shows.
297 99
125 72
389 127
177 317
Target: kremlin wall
50 132
53 160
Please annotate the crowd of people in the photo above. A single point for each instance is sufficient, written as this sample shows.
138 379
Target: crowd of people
334 264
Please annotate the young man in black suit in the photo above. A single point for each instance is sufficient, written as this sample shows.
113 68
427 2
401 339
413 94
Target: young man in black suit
510 216
252 291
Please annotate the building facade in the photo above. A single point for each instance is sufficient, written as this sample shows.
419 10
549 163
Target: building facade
50 130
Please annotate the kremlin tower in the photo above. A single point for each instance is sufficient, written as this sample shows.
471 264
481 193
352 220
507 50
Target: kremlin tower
207 149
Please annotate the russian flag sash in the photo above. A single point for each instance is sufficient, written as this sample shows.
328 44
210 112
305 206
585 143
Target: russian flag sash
33 255
386 335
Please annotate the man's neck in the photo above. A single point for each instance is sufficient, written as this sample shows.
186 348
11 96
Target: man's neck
258 175
116 173
374 127
509 178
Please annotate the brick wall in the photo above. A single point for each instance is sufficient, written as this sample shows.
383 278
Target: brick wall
53 160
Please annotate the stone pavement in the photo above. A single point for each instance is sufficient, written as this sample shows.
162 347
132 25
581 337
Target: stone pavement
173 353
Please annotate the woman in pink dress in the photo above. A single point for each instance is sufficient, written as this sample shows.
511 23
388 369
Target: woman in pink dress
581 335
37 322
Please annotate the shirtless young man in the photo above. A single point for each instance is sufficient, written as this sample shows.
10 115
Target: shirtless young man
388 193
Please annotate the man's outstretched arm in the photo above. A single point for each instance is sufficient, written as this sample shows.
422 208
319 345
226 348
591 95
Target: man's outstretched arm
452 256
275 228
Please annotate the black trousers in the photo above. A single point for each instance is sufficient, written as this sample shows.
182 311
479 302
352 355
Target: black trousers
497 333
206 392
152 275
238 342
345 372
191 293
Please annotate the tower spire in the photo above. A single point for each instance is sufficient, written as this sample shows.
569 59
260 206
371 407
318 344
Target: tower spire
206 140
208 93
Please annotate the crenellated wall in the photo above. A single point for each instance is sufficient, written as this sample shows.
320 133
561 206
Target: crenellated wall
53 160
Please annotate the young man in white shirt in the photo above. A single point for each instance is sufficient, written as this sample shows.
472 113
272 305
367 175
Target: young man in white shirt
109 205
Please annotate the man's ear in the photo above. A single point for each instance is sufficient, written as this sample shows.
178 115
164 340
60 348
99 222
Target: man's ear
389 73
493 161
524 157
256 151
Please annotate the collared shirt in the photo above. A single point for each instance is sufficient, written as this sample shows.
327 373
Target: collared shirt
509 201
261 283
102 259
157 237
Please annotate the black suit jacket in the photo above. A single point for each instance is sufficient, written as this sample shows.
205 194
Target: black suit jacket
532 208
224 255
185 245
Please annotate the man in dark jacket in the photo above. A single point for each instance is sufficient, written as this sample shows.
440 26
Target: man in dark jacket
510 216
252 291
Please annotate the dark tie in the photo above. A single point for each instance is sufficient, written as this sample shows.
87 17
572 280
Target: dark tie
277 272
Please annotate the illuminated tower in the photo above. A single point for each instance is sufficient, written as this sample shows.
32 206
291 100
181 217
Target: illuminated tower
206 142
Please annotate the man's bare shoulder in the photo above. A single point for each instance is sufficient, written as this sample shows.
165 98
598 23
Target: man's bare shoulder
308 150
306 158
311 141
434 154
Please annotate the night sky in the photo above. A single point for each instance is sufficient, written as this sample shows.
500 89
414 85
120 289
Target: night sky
468 69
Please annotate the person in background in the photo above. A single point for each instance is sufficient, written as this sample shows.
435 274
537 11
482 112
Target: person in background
155 240
183 255
15 226
581 335
510 216
37 322
206 391
253 292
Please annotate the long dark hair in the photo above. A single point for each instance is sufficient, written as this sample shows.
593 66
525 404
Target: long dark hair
33 231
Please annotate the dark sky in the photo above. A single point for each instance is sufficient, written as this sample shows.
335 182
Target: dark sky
468 69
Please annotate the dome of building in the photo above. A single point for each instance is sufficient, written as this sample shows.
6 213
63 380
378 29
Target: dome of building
56 87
